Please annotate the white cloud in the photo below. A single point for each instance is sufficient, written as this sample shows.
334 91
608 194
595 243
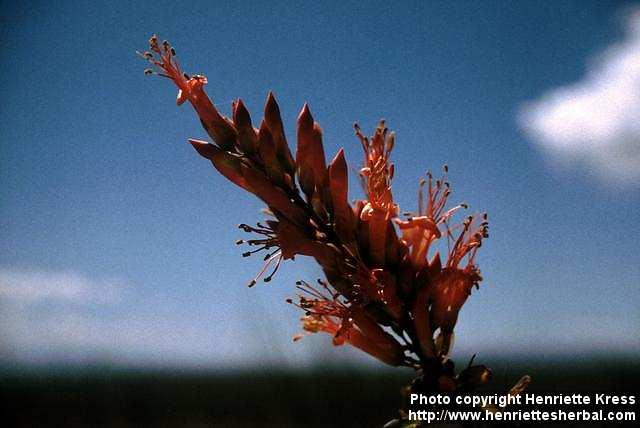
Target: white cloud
35 286
52 311
596 120
65 316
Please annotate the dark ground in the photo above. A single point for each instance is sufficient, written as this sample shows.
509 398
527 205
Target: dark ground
323 397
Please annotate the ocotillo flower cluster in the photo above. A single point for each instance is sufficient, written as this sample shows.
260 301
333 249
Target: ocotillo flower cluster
387 291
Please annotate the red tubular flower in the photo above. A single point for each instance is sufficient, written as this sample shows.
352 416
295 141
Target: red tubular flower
422 229
312 170
347 324
452 286
191 89
345 333
339 187
384 294
377 174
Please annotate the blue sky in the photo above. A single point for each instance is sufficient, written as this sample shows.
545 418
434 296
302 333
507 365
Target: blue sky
118 240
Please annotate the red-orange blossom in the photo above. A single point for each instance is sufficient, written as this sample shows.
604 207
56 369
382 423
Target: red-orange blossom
385 293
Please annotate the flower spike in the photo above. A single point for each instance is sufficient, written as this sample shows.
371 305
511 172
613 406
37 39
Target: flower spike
387 292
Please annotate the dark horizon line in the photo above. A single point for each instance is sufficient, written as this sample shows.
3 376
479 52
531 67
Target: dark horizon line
12 366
